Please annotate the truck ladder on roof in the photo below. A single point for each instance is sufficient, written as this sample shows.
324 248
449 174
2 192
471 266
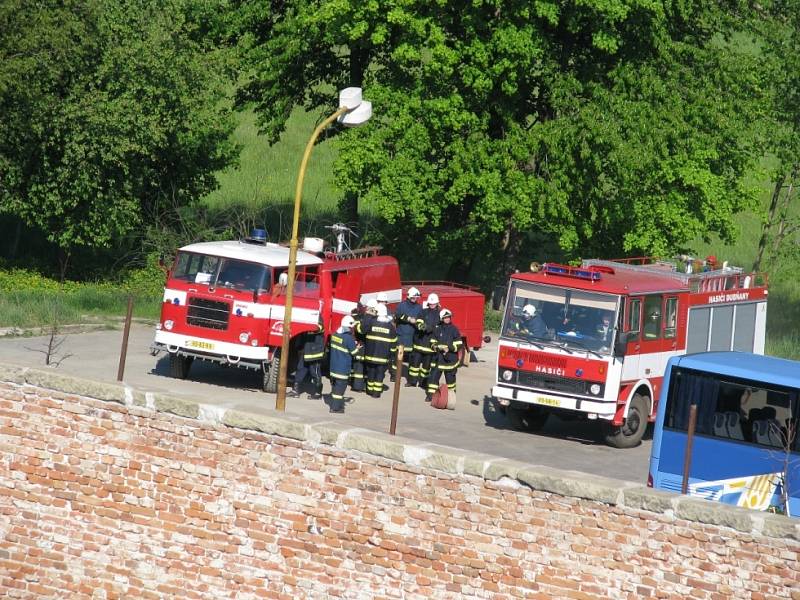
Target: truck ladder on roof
364 252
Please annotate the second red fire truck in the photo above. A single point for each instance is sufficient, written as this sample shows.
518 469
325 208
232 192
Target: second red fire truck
224 301
593 341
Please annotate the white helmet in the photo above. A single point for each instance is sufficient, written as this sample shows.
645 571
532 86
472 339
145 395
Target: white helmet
529 310
445 313
433 299
382 297
283 279
372 303
348 322
413 292
382 310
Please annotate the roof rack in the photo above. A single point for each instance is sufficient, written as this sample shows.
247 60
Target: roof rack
727 278
365 252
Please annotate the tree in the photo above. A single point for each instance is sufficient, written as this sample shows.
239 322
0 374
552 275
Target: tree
113 111
779 36
611 126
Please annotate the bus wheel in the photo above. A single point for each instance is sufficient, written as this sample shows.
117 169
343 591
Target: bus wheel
630 433
179 366
523 417
270 377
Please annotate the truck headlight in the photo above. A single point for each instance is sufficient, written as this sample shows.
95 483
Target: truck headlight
595 388
507 375
244 336
169 324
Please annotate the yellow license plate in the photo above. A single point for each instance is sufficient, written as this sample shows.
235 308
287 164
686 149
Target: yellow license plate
548 401
201 345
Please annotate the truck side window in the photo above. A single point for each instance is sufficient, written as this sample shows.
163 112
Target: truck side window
652 317
671 312
634 312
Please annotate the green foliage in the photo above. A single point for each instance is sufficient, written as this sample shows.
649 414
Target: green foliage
31 300
113 112
613 126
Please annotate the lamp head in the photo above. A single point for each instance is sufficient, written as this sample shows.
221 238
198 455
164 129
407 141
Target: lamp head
360 109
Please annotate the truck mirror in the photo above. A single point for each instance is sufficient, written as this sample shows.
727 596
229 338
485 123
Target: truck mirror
621 345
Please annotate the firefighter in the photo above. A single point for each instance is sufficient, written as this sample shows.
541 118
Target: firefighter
363 318
531 324
383 298
446 341
343 348
310 351
419 365
381 345
406 317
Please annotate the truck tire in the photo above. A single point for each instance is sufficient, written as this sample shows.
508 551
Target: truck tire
630 433
179 365
270 376
524 417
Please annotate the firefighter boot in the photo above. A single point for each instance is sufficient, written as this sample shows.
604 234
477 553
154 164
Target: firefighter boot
295 391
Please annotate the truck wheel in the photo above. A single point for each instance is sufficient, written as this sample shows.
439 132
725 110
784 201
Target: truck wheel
630 433
526 418
179 366
270 378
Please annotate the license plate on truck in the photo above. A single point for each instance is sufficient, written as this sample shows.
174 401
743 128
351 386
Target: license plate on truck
547 401
201 345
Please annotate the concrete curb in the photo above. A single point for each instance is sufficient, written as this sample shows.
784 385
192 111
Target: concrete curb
419 454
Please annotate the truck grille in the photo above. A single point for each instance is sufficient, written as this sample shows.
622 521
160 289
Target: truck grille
211 314
552 383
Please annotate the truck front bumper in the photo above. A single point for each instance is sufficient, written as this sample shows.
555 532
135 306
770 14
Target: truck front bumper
239 355
598 408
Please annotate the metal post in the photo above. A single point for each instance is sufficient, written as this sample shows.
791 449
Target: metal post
398 377
280 400
126 331
687 458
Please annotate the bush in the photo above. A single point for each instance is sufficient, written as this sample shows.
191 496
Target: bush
492 319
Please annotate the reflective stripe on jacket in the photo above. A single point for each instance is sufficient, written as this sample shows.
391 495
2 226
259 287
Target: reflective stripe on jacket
446 340
343 347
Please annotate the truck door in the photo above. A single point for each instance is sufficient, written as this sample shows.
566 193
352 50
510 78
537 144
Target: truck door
632 327
659 329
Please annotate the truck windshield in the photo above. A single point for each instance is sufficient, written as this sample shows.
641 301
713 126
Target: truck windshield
571 318
222 272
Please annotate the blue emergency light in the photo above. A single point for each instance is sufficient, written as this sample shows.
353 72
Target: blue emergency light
566 270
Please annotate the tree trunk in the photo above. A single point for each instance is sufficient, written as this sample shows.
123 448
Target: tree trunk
767 227
783 214
63 263
348 207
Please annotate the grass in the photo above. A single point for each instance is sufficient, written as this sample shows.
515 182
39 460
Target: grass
267 175
41 309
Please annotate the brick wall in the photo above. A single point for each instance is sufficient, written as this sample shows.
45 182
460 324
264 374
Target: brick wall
103 500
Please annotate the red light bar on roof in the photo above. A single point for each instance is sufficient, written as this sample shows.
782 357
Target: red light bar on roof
568 271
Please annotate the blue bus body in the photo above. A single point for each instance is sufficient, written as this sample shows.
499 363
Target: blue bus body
746 450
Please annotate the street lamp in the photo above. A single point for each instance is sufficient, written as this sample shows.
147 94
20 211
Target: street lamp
353 111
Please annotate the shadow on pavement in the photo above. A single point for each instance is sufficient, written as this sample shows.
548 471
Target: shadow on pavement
577 430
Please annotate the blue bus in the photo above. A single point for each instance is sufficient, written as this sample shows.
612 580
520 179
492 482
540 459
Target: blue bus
745 448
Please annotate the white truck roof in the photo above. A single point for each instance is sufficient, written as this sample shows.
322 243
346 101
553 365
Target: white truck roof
269 254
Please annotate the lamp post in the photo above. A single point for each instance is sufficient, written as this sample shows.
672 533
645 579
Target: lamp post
353 111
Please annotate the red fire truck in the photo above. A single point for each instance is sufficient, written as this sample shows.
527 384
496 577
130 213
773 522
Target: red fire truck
593 341
224 301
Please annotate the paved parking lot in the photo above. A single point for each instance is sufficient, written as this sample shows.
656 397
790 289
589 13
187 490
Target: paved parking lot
475 424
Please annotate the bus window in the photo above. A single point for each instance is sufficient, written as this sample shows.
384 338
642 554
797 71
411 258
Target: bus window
671 313
652 316
747 408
